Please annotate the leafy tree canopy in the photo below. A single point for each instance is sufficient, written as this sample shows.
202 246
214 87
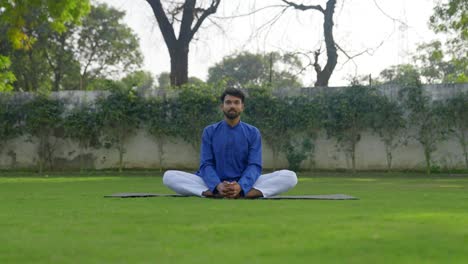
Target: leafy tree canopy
246 69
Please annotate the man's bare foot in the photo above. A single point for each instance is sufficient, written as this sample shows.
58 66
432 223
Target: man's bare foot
253 193
207 193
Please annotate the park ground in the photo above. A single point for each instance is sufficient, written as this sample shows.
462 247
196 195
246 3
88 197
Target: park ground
399 218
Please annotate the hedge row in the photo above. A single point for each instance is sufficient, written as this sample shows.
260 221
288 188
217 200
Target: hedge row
288 125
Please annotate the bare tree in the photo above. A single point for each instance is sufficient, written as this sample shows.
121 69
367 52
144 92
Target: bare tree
190 17
323 75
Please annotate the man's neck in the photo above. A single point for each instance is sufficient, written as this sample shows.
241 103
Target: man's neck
232 122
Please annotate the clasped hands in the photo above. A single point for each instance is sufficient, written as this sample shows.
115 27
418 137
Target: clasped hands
225 189
229 189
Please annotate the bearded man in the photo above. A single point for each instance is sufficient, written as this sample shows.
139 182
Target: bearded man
230 160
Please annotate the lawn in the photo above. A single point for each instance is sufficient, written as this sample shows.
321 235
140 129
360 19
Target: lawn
400 218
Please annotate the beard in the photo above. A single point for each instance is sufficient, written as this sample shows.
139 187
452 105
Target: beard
231 114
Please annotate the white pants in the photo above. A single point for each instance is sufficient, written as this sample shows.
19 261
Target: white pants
192 185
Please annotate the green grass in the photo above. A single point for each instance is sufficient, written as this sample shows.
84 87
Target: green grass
401 218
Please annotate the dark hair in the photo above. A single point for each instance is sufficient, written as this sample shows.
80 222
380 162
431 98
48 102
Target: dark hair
233 92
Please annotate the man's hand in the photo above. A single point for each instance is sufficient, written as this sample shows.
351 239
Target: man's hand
229 189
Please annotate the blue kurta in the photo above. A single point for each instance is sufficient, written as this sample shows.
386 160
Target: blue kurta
230 154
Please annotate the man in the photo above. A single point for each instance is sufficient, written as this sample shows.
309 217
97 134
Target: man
230 160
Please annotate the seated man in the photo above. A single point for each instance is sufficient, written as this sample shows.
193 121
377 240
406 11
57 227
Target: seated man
231 160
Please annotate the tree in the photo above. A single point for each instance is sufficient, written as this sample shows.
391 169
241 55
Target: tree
105 45
190 16
21 19
119 113
83 125
346 114
6 77
455 113
323 74
141 81
42 120
10 120
389 123
283 123
422 116
14 15
246 69
450 18
195 107
158 123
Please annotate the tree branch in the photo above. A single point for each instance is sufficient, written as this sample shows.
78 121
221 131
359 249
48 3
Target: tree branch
305 7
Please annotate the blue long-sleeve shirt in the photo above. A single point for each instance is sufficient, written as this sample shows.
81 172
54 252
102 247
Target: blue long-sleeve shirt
230 154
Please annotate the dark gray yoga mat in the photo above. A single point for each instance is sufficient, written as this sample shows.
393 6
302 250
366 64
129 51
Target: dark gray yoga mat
279 197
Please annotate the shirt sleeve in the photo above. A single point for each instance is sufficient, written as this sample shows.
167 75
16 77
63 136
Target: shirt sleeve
254 166
207 162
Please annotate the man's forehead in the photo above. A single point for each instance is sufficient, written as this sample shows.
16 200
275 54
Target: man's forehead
232 98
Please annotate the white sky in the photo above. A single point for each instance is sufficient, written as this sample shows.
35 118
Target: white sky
359 25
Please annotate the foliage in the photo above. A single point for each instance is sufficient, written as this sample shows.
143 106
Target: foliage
195 107
43 120
389 123
279 120
451 17
82 124
141 81
424 118
105 45
16 14
157 121
10 120
455 113
119 114
404 75
6 76
435 67
246 69
346 114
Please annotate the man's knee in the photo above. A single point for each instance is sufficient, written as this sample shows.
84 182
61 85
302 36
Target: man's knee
169 177
289 177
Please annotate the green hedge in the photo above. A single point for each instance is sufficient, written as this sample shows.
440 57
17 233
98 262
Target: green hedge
289 125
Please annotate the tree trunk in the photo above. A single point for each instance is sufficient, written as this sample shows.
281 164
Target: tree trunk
192 19
179 64
388 151
160 142
324 75
353 156
464 148
427 155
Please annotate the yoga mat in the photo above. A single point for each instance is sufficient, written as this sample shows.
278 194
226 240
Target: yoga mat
278 197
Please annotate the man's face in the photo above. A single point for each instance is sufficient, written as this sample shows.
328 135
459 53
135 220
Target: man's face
232 106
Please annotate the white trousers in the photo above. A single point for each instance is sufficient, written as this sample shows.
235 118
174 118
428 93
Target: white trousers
270 184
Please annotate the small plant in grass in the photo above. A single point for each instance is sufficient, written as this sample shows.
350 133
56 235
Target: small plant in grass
43 121
119 114
83 125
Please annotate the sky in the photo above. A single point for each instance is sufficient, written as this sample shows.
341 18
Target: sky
384 32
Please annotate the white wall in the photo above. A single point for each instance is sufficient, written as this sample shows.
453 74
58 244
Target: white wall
142 151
